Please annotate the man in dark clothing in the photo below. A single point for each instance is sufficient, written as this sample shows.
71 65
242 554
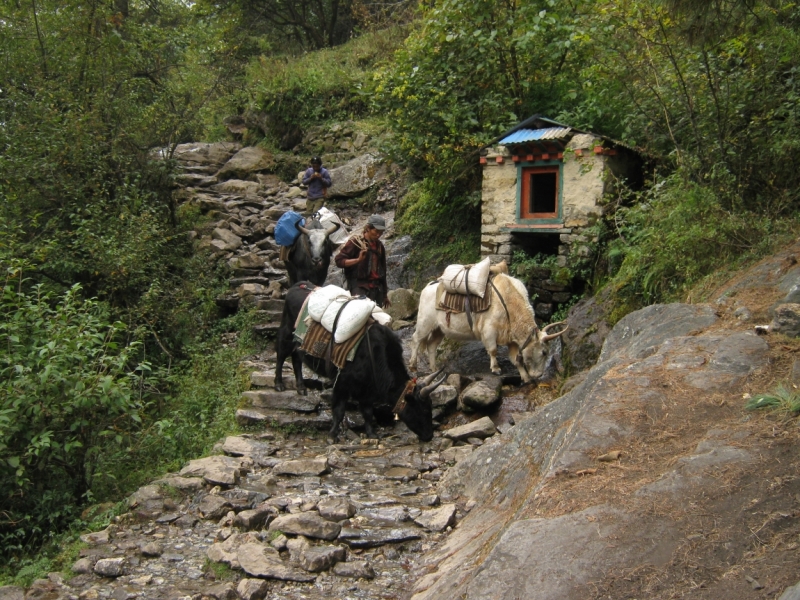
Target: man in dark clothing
318 180
363 259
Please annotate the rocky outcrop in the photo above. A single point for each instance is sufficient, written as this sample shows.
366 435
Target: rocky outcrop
571 437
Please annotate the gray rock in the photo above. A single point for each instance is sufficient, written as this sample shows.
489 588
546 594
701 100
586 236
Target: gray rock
588 328
356 176
637 334
184 484
149 549
251 260
482 428
401 474
444 396
252 589
539 546
110 567
374 537
144 494
357 570
256 517
202 154
248 160
384 516
11 592
482 394
258 560
304 466
230 240
216 470
82 566
280 543
404 304
280 418
336 508
787 320
288 400
437 519
242 446
102 537
457 453
237 186
221 591
267 379
308 524
213 507
320 558
790 593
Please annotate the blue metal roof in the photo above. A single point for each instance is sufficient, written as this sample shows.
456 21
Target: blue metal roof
529 135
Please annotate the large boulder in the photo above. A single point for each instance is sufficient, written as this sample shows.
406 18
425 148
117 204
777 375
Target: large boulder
245 162
356 176
589 326
404 303
200 155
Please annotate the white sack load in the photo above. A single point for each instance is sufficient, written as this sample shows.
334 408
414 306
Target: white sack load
327 218
320 299
381 316
354 316
454 279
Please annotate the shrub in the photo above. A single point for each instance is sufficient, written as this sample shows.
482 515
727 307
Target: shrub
67 389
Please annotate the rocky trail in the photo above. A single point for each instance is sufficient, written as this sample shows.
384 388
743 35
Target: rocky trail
641 476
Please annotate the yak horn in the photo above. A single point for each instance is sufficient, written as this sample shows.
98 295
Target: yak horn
426 391
332 228
549 336
301 229
428 378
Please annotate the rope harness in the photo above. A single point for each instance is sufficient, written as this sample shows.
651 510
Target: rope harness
400 405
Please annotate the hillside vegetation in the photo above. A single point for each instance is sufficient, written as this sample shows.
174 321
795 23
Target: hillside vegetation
109 366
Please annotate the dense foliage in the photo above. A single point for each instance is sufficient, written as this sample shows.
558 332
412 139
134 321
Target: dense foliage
105 303
66 391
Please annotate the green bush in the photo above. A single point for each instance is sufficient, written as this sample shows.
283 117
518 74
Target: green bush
68 389
677 234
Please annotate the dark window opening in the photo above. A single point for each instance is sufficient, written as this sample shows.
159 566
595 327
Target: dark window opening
543 193
539 193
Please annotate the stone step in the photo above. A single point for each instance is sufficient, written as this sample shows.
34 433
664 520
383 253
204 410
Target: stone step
267 329
288 400
283 418
270 316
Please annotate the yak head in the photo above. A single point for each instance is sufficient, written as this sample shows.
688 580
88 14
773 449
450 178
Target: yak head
415 409
532 355
317 236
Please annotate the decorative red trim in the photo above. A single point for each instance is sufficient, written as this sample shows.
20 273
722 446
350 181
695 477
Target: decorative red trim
499 160
579 152
560 155
545 157
483 160
542 226
529 158
598 149
516 158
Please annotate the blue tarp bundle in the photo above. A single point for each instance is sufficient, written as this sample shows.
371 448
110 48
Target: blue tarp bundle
285 229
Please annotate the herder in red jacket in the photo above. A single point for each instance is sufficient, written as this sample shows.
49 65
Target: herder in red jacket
363 259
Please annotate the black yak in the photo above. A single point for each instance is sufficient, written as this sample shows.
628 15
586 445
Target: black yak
310 255
377 378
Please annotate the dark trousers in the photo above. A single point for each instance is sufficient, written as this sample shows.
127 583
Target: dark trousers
375 294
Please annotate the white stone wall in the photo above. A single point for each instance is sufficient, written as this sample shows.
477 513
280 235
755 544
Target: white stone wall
581 192
582 185
498 202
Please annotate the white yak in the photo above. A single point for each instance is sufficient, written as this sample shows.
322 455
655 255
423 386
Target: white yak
514 327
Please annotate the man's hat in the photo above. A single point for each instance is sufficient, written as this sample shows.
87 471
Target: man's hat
377 222
316 160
